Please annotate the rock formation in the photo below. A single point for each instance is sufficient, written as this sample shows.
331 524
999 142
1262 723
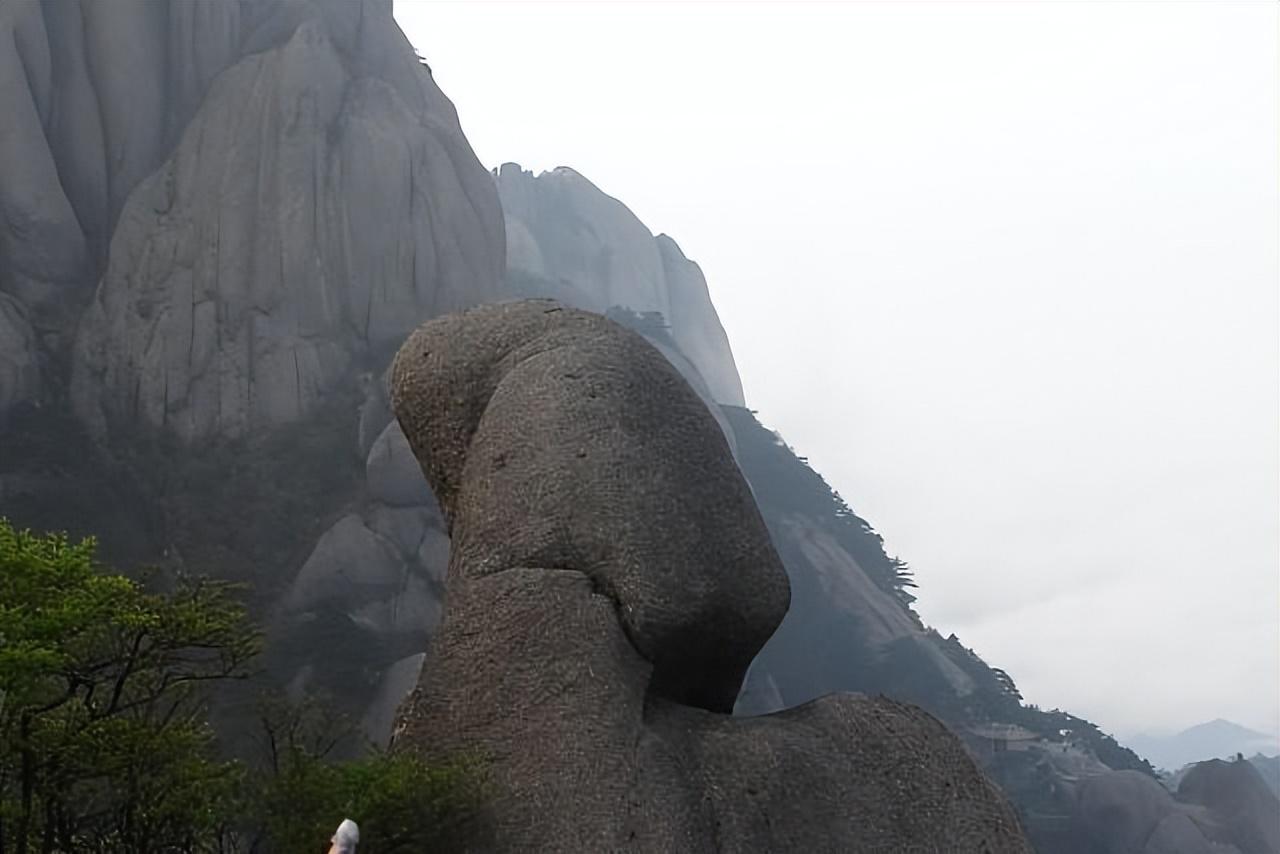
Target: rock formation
610 581
265 195
1243 810
569 241
1220 808
218 218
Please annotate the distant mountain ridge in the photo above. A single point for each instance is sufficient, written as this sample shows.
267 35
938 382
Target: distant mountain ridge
568 240
197 299
1216 739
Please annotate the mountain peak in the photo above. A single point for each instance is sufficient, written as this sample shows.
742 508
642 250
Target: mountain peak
1209 740
1223 726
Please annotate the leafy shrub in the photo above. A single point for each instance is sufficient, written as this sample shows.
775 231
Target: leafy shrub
105 744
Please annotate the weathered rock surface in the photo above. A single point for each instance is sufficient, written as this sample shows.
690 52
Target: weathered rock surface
349 558
392 473
569 241
269 193
1221 807
610 580
19 371
44 251
396 682
1241 804
830 588
340 206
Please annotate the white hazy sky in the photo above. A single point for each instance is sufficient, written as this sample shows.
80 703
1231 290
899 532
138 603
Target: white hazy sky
1005 272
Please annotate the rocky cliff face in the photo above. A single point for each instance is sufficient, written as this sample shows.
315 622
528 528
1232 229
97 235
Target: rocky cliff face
569 241
215 211
219 219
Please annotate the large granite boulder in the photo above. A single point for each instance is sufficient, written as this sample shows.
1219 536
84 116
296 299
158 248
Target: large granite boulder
1220 808
1242 806
609 583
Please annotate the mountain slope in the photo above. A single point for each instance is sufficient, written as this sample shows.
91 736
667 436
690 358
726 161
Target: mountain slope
568 240
268 191
1216 739
220 218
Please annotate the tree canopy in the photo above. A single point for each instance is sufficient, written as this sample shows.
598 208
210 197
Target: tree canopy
105 743
103 738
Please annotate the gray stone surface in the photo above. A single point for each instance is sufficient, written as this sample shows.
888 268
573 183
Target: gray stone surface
838 586
348 564
218 217
1176 833
433 555
19 369
414 607
284 192
373 416
568 240
693 377
515 396
370 573
394 685
610 580
403 527
43 251
1239 802
1123 808
392 472
695 325
1227 809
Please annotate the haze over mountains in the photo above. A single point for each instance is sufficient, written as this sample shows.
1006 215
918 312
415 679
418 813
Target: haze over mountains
1018 306
220 221
1217 739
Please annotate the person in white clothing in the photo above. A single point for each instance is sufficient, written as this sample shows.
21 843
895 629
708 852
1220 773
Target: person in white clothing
345 838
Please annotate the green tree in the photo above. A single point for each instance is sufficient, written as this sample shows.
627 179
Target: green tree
104 742
402 803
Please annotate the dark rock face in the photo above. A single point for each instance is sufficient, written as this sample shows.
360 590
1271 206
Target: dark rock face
1239 800
609 582
1221 808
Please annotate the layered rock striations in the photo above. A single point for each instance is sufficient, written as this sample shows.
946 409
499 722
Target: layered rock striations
249 197
218 219
610 581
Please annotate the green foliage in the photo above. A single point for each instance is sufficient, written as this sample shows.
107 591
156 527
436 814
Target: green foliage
105 745
103 741
785 484
401 802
